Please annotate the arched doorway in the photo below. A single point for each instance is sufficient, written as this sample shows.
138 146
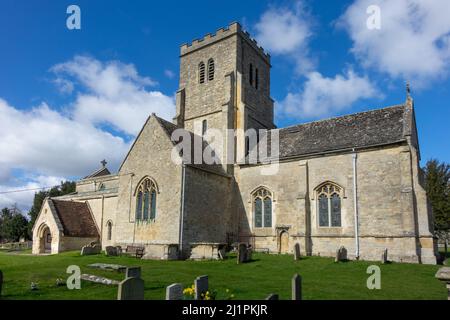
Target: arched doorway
284 242
45 239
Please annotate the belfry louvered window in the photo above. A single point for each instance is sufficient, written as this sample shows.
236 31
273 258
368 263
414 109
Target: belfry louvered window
329 205
210 70
146 200
262 208
201 72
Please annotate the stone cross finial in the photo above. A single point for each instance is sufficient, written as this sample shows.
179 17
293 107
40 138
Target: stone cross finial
408 90
103 162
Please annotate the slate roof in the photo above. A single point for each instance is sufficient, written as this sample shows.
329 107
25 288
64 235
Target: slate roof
99 173
169 127
76 219
359 130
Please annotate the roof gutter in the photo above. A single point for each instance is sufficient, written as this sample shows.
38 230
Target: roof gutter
183 182
355 203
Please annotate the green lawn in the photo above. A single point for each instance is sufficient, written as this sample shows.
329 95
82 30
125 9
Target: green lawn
322 278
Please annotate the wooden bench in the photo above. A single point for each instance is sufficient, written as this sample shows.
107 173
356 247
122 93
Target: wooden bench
136 251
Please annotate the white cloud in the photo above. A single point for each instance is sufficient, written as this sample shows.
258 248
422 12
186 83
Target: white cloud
47 146
286 31
169 74
114 94
46 142
413 41
322 96
24 199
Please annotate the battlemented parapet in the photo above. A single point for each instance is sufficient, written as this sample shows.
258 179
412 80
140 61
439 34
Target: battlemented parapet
223 33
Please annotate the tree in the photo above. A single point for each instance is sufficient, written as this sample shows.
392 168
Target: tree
66 187
13 225
437 185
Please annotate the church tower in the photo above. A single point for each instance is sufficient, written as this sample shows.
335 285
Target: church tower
224 84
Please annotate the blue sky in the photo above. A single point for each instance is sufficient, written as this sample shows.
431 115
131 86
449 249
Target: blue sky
69 98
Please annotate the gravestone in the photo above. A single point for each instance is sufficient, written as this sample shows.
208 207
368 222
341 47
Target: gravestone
443 274
242 253
384 256
131 289
297 251
1 282
297 287
133 272
341 254
272 296
111 251
201 286
91 249
108 267
98 279
174 292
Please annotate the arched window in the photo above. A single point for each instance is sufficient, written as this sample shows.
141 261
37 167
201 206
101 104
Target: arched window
256 78
329 205
101 187
262 208
250 74
204 127
146 200
201 72
210 70
109 230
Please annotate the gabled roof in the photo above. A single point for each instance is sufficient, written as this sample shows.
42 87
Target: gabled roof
360 130
103 171
76 219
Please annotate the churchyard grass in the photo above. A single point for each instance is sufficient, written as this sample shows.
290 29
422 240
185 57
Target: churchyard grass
322 277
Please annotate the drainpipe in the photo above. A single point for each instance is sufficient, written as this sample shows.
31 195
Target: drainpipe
355 204
183 179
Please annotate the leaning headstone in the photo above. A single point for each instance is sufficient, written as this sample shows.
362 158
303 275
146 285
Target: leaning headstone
1 282
384 256
133 272
242 253
131 289
272 296
174 292
297 287
201 286
297 251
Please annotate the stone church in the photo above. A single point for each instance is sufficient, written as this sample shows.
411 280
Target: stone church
351 181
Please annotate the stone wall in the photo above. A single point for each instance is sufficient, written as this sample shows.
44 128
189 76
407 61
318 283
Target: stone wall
207 208
386 216
46 218
150 156
74 243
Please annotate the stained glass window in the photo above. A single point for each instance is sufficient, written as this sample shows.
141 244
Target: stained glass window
146 200
263 208
258 213
329 205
